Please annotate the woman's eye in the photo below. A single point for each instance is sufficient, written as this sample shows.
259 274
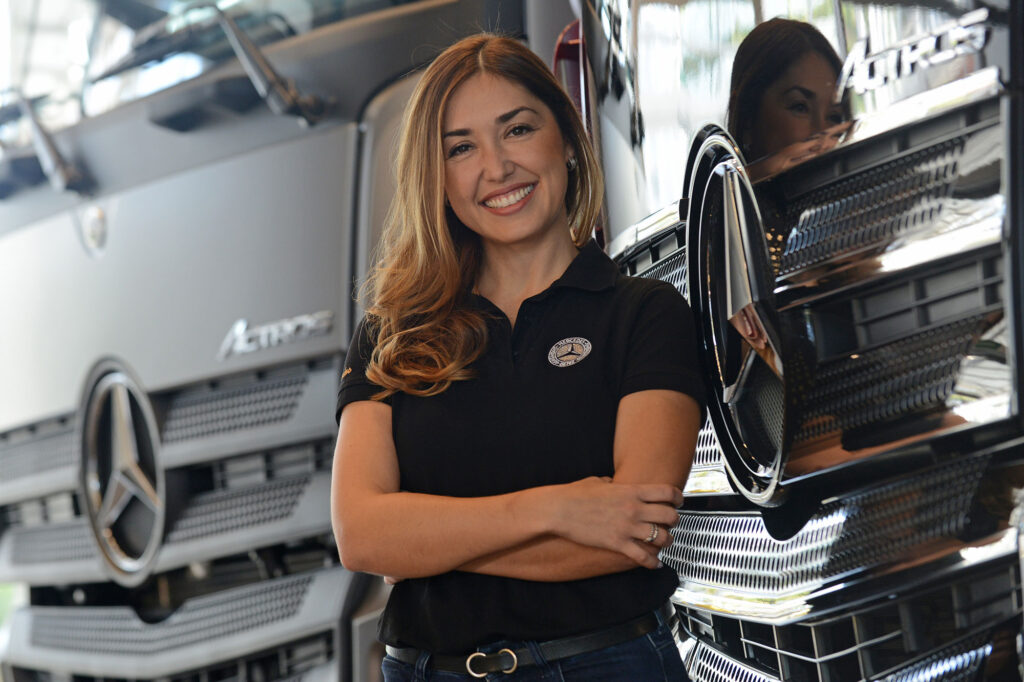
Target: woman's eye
835 118
798 107
519 129
460 148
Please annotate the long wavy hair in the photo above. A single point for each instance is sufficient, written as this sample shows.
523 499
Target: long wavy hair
424 332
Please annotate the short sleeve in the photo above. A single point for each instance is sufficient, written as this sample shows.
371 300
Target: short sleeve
354 384
662 351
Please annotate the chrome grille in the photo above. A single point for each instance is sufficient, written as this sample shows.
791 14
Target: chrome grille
722 552
209 410
118 630
956 664
672 270
708 454
911 375
872 208
939 633
706 664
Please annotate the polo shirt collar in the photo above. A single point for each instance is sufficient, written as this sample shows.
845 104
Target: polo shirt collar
590 270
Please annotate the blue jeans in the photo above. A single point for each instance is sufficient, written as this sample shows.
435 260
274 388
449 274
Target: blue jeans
651 657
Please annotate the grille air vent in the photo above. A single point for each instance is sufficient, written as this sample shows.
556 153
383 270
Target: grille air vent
940 634
226 510
911 375
55 543
118 631
201 412
31 451
671 270
871 208
734 552
287 662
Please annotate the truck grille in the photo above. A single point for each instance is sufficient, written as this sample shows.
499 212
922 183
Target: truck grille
290 661
734 552
223 511
71 541
914 374
205 411
929 635
119 630
35 450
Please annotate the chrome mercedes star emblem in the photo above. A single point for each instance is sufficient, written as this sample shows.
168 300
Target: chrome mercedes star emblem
122 483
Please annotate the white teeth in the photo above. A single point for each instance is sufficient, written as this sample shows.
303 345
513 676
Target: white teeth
510 198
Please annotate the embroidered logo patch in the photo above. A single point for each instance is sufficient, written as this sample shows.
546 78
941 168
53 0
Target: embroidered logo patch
568 352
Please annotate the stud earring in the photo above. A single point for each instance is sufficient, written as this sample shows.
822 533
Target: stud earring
571 164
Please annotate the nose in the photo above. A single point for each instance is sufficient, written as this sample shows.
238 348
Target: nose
819 121
496 164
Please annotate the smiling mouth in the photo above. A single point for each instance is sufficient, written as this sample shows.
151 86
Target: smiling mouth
509 198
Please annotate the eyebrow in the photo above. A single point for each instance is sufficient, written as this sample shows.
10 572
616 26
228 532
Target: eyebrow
803 91
504 118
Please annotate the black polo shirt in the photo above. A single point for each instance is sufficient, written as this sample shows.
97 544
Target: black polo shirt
541 410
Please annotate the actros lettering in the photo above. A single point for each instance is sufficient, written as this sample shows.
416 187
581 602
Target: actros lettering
243 339
864 71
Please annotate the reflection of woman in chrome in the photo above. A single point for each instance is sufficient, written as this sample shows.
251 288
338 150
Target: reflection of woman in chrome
516 418
782 93
783 83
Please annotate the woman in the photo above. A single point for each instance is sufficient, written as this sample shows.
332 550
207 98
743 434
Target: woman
782 87
516 418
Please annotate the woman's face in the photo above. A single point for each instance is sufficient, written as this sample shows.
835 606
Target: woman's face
505 162
796 106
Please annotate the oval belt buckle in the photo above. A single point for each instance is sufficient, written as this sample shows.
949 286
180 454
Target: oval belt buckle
469 662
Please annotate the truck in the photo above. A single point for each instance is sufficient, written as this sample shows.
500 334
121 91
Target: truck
183 219
854 508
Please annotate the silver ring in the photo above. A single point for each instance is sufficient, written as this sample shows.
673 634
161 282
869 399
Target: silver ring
654 533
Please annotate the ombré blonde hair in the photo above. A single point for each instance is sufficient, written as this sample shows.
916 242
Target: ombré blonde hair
425 334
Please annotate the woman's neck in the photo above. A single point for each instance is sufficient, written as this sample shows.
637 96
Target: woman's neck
510 274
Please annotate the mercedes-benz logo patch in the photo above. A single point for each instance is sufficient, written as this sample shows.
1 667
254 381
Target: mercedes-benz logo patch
122 483
568 352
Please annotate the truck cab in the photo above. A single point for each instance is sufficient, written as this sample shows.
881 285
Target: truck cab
181 230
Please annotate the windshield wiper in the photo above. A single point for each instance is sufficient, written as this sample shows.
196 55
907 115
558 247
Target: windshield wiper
280 94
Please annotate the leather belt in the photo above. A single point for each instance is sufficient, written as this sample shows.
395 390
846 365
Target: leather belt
479 664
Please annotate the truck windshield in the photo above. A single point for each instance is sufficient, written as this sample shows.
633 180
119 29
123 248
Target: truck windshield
80 58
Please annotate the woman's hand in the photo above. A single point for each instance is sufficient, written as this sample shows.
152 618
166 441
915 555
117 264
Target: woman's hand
618 516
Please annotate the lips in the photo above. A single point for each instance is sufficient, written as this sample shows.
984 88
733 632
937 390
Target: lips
509 198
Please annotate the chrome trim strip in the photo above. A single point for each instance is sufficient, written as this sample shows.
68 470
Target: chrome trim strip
799 606
661 219
705 664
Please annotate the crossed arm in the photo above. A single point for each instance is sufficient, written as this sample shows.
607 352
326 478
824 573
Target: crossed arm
557 532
